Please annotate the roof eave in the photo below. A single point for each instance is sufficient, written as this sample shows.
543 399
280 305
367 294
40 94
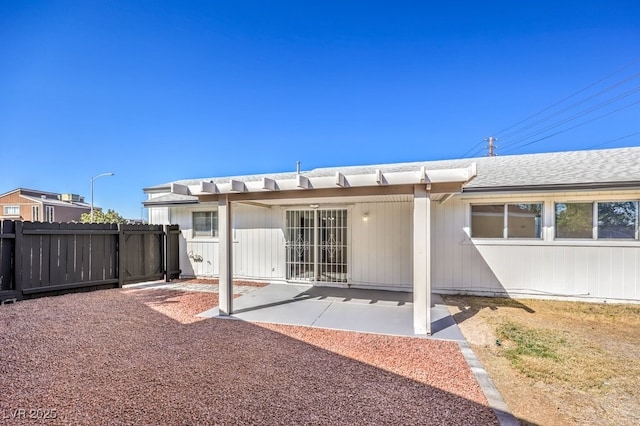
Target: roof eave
152 203
554 187
157 189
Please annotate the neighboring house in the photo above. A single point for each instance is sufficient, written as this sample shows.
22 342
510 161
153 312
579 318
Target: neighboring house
553 225
40 206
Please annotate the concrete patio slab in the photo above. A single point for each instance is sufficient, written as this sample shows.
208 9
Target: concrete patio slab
186 286
370 311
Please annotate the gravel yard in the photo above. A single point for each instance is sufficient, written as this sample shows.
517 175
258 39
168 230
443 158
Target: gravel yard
141 357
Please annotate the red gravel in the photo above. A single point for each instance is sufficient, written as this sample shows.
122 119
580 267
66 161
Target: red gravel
140 357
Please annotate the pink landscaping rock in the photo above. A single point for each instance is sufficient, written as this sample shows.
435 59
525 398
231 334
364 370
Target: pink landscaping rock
141 357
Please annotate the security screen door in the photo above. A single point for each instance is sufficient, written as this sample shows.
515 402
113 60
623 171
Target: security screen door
317 245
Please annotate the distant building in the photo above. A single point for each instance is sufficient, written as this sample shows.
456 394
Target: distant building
41 206
137 221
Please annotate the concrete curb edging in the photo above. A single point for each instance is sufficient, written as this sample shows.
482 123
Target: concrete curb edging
500 408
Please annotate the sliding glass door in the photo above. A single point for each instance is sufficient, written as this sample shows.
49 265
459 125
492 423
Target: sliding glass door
316 244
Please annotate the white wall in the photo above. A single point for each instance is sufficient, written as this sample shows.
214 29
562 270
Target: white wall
380 250
381 246
577 269
258 243
158 215
198 256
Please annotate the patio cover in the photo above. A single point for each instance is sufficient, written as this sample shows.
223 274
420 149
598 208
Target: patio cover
330 185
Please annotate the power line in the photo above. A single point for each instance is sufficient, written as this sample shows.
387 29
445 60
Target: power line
575 116
613 140
570 96
573 127
575 104
472 148
561 121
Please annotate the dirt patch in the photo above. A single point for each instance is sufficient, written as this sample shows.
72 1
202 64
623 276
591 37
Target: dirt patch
139 357
557 362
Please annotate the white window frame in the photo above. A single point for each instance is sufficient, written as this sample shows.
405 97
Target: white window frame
549 200
49 214
213 232
505 220
9 210
35 213
637 221
594 219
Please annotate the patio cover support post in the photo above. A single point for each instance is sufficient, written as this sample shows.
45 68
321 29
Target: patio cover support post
421 260
225 250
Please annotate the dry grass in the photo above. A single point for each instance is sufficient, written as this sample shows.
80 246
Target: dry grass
579 362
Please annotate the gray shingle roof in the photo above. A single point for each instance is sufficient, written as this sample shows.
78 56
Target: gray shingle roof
52 201
570 168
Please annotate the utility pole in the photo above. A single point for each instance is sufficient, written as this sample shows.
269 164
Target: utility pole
491 146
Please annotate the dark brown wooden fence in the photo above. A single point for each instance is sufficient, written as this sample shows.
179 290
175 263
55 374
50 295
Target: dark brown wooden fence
7 244
172 247
53 258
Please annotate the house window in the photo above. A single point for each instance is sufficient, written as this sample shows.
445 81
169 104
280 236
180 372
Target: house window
614 220
487 221
48 214
574 220
618 220
205 224
12 210
35 213
520 220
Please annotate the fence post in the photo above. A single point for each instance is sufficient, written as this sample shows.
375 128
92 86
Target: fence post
172 251
166 252
121 255
7 253
17 260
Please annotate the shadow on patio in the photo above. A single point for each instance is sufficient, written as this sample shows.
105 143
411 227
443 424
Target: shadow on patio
371 311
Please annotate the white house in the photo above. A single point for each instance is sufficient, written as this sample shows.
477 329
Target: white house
555 225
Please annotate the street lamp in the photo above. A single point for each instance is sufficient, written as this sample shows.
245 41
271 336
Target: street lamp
93 179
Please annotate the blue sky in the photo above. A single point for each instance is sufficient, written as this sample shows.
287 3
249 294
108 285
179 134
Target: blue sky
157 91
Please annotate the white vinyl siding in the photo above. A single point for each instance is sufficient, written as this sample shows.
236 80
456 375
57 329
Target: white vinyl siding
159 216
548 267
258 243
258 249
381 245
380 254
